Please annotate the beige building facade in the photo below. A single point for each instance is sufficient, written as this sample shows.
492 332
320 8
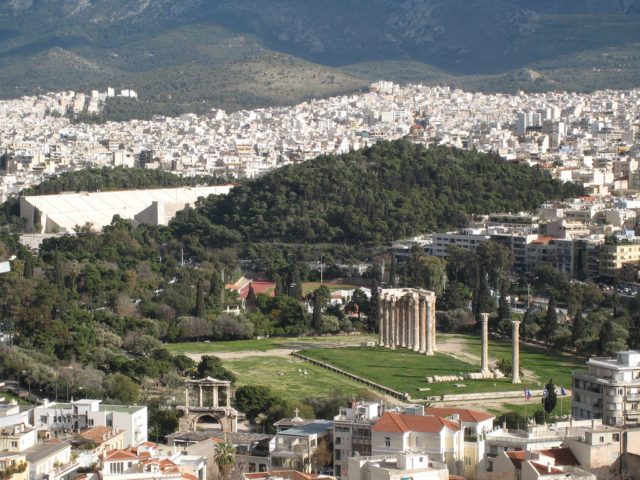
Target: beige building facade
610 390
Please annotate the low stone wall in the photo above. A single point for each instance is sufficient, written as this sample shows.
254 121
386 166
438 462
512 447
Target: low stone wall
387 390
489 395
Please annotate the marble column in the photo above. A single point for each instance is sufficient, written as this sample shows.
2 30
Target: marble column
392 322
515 362
186 396
398 308
405 322
430 338
382 315
200 396
389 326
215 397
401 332
415 303
423 323
432 305
484 361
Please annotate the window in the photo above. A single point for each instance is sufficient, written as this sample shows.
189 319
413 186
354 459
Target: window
387 441
14 444
601 439
44 419
338 455
467 461
616 437
338 440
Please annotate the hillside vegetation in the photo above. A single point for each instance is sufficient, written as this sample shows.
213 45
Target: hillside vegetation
389 191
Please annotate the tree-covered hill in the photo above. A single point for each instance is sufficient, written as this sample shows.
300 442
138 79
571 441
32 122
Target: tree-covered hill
389 191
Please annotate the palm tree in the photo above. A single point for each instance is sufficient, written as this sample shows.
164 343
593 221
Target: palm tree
224 455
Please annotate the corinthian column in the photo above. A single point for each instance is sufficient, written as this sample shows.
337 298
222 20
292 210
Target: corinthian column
383 319
515 362
433 323
393 317
484 365
423 323
415 322
430 336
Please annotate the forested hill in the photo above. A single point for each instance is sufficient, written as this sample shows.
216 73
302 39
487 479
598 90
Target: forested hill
389 191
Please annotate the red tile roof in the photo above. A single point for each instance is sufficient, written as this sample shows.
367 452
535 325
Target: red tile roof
517 457
258 287
119 455
96 434
562 456
401 423
543 240
465 414
287 474
544 470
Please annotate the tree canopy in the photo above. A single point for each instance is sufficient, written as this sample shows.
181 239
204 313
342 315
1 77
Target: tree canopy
388 191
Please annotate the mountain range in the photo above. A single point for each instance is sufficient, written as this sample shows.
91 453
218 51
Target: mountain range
248 53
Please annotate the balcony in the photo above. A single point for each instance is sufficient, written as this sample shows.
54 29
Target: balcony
633 397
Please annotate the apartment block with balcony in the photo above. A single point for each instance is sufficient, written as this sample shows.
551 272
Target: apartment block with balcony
614 256
610 390
352 433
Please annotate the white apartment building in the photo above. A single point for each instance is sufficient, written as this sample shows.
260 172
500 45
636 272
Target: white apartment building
81 414
401 466
609 390
352 433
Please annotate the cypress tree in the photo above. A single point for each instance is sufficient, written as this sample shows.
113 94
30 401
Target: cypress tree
549 403
199 311
251 297
392 272
504 311
215 287
577 329
317 312
58 273
28 267
280 290
482 301
605 337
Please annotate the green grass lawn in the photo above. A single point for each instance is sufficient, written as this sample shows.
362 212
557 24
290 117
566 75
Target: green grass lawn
311 286
266 344
261 345
291 385
404 370
543 363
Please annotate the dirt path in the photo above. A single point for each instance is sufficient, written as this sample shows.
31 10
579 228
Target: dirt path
454 346
284 351
277 352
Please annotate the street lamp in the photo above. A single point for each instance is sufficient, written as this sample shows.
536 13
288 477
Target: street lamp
29 380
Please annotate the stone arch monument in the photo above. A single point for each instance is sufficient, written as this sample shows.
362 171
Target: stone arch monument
191 414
